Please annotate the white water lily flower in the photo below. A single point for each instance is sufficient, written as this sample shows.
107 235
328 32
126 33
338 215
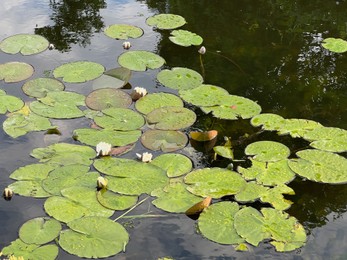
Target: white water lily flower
202 50
126 45
101 182
103 149
138 92
145 157
8 193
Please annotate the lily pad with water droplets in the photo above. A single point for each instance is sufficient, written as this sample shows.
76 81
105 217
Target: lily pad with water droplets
26 44
167 141
94 237
140 60
39 87
298 127
335 45
106 98
123 31
150 102
115 201
174 164
185 38
180 78
166 21
15 71
113 78
9 103
79 71
216 223
267 151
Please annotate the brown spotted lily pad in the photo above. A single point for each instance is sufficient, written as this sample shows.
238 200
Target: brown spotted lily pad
167 141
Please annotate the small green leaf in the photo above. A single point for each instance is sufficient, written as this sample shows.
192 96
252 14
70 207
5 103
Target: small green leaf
224 151
15 71
9 103
180 78
140 60
185 38
335 45
39 87
166 21
123 31
26 44
150 102
267 151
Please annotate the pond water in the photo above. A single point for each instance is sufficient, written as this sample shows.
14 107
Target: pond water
269 51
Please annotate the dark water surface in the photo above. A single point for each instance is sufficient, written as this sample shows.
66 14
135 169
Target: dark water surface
268 51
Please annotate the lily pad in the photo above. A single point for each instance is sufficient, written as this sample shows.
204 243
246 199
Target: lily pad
224 151
32 172
166 21
15 71
94 237
113 78
115 138
123 31
79 71
9 103
214 182
171 118
268 121
185 38
298 127
150 102
39 87
335 45
26 44
39 230
267 151
216 223
29 188
320 166
174 164
167 141
115 201
106 98
180 78
140 60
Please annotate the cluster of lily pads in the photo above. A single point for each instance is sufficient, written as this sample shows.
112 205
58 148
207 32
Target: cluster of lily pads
66 174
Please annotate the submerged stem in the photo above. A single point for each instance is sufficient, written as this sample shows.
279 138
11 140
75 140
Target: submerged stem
133 207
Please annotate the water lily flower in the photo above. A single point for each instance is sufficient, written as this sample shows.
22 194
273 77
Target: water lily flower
8 193
126 45
202 50
138 93
101 183
145 157
103 149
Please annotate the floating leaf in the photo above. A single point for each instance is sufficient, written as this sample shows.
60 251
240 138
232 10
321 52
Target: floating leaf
32 172
174 164
199 207
267 151
320 166
335 45
140 60
39 87
26 44
29 188
9 103
167 141
270 122
180 78
39 230
115 201
106 98
150 102
79 71
115 138
94 237
171 118
15 71
113 78
298 127
214 182
166 21
185 38
216 223
123 31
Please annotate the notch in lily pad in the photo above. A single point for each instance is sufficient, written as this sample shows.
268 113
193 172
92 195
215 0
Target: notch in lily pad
164 140
180 78
166 21
140 60
26 44
185 38
267 151
123 31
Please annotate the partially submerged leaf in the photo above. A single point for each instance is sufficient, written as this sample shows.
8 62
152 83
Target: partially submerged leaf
166 21
180 78
123 31
15 71
267 151
113 78
185 38
199 207
26 44
140 60
106 98
9 103
115 201
167 141
150 102
39 87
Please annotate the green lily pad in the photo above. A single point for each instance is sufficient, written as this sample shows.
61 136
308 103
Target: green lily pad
285 232
185 38
335 45
115 201
32 172
39 87
320 166
94 237
330 139
9 103
166 21
216 223
39 230
64 154
59 104
150 102
77 202
268 121
79 71
224 151
15 71
214 182
140 60
69 176
180 78
26 44
120 119
113 78
29 189
174 164
174 198
298 127
106 98
267 151
171 118
31 251
131 177
115 138
123 31
167 141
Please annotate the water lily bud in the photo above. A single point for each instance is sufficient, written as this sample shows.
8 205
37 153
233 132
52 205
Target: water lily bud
101 183
51 46
8 193
138 93
145 157
126 45
202 50
103 149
